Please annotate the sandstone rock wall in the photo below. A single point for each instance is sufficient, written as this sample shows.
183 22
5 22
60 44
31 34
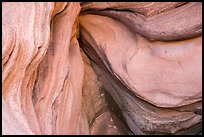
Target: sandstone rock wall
102 68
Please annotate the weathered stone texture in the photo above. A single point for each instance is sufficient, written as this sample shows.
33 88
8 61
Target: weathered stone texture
102 68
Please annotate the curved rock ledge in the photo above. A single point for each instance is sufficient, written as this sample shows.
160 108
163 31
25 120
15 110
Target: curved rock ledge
175 24
111 63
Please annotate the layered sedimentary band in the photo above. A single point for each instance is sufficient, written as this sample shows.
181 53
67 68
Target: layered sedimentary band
173 24
101 68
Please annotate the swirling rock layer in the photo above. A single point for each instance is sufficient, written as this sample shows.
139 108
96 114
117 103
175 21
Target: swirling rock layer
140 74
126 75
175 24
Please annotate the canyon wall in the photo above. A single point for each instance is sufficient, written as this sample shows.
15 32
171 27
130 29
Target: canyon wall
102 68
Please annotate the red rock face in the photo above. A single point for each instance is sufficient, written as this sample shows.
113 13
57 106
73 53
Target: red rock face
102 68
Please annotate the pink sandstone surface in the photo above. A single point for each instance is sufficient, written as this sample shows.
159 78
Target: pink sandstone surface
106 68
